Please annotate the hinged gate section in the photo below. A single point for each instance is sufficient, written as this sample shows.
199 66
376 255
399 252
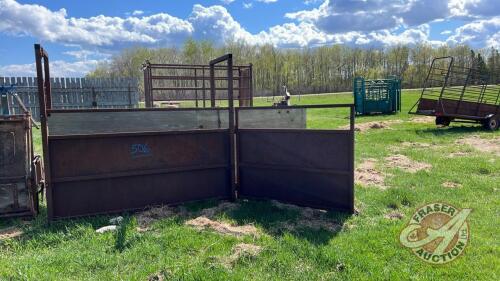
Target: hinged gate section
306 167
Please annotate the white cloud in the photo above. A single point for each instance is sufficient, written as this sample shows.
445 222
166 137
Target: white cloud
86 54
368 23
478 34
58 68
227 2
474 8
247 5
215 23
446 32
311 2
56 26
267 1
371 15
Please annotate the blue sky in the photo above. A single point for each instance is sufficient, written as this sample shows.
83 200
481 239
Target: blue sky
79 34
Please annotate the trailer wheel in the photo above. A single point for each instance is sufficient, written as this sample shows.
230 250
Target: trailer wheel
443 121
491 123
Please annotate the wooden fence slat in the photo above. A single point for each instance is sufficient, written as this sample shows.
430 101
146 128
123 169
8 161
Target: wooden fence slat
76 93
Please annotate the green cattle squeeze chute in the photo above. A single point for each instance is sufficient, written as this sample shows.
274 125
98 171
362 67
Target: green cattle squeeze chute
378 96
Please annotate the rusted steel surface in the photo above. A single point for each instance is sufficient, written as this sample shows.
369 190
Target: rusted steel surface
128 165
104 173
18 181
312 168
176 82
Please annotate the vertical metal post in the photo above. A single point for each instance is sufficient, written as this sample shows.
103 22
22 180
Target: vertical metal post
43 93
212 86
251 85
352 156
203 80
232 131
232 134
48 90
196 87
129 97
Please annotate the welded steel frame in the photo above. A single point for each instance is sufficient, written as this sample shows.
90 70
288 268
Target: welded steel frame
463 93
226 139
200 73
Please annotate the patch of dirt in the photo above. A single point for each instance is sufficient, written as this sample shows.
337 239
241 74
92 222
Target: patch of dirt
363 127
366 174
310 218
146 218
491 146
416 144
423 119
303 211
222 207
240 251
458 154
318 224
394 216
450 184
202 223
404 163
10 232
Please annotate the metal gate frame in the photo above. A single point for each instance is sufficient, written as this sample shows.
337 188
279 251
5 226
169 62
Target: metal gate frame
100 176
192 79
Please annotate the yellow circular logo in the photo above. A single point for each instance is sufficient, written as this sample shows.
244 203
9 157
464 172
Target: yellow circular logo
437 233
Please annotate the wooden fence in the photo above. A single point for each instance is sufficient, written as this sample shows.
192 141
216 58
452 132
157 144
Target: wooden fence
74 93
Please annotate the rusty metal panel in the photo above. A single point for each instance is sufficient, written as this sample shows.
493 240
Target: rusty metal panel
103 173
15 155
305 167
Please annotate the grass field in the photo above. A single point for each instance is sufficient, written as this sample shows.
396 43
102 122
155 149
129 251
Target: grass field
363 246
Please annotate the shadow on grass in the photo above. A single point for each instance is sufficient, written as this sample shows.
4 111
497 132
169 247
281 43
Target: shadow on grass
450 130
277 221
58 231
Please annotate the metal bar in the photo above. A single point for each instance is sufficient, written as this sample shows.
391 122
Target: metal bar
232 130
138 173
352 156
171 77
192 66
226 57
300 131
299 106
251 84
196 86
39 55
132 134
212 86
190 88
132 109
291 168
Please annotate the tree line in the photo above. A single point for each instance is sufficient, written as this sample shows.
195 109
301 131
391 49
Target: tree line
309 70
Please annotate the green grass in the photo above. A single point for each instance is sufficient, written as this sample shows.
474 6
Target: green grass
366 250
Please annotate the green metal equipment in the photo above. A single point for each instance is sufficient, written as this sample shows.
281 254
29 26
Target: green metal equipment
377 96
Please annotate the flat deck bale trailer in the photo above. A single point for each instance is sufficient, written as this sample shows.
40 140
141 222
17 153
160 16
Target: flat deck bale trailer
377 96
454 93
21 174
